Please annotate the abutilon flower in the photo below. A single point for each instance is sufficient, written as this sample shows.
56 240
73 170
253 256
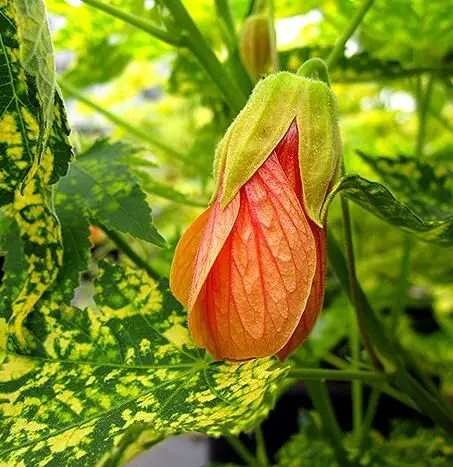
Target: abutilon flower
251 268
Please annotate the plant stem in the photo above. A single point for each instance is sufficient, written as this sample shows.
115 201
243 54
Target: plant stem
356 386
338 50
234 61
373 403
224 14
392 392
242 451
316 374
400 299
353 286
322 403
422 108
140 23
261 454
155 142
273 37
193 39
403 281
125 247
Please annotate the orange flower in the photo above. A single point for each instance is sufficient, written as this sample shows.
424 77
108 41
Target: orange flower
251 273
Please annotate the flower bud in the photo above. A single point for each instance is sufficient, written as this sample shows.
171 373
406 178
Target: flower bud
251 269
255 45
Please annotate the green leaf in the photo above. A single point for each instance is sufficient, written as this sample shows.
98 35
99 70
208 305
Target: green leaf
102 185
103 384
376 198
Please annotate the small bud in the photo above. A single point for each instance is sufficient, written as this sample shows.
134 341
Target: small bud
255 45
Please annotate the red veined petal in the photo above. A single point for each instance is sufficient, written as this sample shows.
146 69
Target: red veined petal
253 297
287 152
315 301
181 274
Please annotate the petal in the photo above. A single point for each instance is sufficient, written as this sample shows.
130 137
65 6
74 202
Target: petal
288 156
258 287
217 230
315 301
183 265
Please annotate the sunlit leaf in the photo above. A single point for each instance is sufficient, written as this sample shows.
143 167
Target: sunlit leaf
120 380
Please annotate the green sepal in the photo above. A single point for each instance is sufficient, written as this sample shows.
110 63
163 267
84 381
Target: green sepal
275 102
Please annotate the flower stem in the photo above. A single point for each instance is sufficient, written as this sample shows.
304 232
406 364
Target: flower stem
125 247
241 450
193 39
338 50
154 142
135 21
316 374
322 403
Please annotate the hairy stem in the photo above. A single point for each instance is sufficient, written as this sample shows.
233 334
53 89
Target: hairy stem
338 50
136 21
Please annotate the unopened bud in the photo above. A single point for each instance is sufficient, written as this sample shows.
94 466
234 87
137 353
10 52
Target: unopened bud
255 45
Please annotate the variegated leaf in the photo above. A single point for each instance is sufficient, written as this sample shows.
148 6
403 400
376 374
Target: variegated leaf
34 147
101 386
376 198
